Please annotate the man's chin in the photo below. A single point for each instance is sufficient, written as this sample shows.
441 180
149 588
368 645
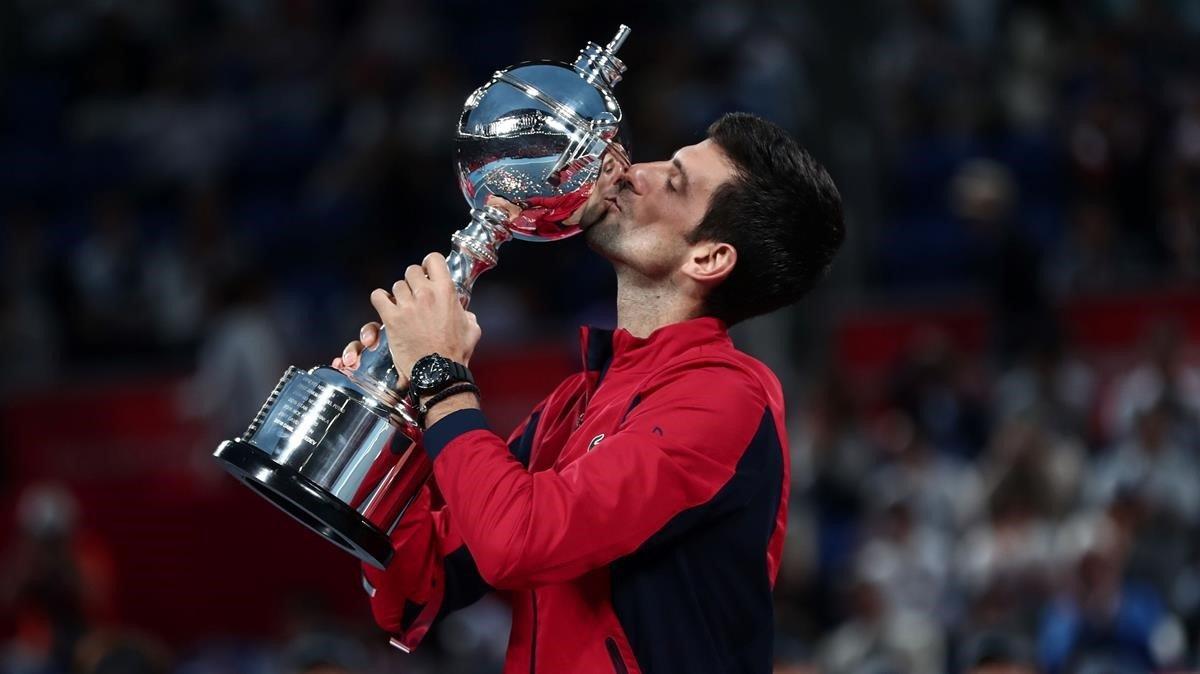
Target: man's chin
601 234
593 213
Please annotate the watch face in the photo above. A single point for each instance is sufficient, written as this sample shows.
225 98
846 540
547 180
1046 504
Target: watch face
430 372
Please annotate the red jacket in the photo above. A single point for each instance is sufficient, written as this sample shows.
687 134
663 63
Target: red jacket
634 521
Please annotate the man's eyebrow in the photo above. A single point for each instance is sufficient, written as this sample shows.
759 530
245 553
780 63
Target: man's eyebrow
679 165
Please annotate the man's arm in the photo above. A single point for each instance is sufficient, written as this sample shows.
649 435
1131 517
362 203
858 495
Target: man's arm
675 462
432 573
408 596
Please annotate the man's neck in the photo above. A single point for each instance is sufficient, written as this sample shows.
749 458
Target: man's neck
644 307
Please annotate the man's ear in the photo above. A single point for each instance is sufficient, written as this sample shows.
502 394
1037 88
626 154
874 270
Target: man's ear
710 262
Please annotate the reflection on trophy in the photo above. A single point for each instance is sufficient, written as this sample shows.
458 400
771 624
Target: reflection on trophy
336 449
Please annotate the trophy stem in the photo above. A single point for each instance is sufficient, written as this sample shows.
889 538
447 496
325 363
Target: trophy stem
474 253
476 248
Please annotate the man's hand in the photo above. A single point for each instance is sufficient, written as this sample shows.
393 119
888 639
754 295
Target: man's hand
422 315
368 337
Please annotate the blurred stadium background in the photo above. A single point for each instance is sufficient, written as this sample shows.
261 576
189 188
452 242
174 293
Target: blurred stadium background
994 400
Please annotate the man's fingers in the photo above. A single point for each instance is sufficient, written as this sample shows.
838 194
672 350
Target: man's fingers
383 301
415 276
350 354
437 270
369 334
368 337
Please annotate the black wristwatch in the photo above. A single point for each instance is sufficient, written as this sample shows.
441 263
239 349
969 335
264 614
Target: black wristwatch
434 373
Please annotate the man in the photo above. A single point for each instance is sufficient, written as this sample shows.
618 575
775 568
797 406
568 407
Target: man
635 520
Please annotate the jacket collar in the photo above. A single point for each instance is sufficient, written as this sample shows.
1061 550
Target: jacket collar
619 350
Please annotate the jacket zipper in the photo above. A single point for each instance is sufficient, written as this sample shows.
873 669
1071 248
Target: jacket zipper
533 641
615 653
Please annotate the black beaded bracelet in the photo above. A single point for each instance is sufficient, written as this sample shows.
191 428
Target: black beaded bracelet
452 390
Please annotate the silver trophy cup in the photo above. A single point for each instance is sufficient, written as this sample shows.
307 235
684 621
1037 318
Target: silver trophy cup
338 449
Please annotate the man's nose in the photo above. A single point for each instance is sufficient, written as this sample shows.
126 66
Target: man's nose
637 176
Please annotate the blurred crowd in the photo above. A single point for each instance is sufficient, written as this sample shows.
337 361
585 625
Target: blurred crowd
1048 513
185 185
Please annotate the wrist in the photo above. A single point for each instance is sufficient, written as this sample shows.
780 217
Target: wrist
447 406
433 373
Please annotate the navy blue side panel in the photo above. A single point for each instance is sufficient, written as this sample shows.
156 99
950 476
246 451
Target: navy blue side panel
411 611
522 447
464 586
703 602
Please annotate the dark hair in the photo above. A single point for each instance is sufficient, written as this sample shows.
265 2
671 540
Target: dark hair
780 211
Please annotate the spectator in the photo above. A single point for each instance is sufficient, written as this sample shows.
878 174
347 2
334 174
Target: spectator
1049 387
943 491
874 641
57 583
909 562
984 196
241 359
1153 465
1095 258
1163 377
933 384
1048 468
109 312
1102 619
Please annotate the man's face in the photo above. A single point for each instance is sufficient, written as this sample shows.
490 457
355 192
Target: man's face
651 208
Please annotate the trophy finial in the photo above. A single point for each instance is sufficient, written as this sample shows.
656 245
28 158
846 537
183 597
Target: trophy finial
600 65
618 39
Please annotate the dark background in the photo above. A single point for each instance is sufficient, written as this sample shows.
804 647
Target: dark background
994 398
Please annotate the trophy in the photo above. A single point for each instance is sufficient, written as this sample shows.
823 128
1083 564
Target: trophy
338 449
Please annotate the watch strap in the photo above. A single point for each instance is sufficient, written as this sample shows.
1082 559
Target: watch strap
460 373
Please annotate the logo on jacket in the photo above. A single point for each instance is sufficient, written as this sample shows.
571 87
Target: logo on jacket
595 441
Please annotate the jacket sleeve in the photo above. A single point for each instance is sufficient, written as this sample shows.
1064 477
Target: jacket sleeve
675 450
432 572
407 596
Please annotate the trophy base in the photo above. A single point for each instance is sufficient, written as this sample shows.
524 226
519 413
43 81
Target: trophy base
306 501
